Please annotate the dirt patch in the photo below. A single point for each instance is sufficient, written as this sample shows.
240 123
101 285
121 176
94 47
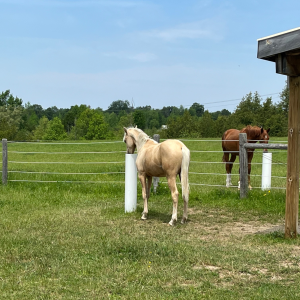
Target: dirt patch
225 224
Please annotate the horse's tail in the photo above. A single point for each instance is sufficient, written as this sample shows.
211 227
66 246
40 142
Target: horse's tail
185 173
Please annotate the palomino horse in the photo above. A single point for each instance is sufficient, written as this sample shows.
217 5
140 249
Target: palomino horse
167 159
230 145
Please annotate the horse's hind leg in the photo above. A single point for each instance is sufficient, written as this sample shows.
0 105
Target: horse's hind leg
149 182
185 209
174 193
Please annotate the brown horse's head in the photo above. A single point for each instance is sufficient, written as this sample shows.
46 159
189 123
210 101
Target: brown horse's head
264 137
130 142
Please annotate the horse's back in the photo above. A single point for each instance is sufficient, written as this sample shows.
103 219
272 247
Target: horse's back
163 158
230 140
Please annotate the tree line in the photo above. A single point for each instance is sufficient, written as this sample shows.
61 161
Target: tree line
26 122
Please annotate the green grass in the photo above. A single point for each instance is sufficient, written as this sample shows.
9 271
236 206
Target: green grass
74 241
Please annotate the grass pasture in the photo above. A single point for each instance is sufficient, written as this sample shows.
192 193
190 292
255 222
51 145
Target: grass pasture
63 240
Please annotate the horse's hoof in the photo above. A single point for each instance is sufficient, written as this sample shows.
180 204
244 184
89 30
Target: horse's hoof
172 222
184 220
144 217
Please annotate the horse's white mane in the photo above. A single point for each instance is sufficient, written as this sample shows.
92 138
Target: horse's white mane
141 137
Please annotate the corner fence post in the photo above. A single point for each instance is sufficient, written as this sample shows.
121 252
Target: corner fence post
155 180
243 165
130 183
4 162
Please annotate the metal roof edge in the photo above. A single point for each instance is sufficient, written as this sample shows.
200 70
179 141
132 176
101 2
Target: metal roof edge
270 36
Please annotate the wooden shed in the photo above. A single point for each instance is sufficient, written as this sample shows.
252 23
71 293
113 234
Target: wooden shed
284 49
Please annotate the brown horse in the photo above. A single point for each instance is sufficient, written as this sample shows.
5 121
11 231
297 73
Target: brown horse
230 145
167 159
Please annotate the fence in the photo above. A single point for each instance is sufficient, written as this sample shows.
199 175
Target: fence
108 165
243 146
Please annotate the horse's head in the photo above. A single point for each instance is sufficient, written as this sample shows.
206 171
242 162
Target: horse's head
264 137
130 141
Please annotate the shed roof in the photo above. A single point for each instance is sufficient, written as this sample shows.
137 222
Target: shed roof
283 42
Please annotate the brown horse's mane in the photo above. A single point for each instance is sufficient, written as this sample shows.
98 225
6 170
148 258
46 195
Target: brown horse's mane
252 131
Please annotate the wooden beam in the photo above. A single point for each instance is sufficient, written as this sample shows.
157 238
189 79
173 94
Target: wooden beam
266 146
270 46
292 187
288 63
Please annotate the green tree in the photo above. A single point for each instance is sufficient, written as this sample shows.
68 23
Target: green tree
72 115
91 125
183 126
283 105
40 130
112 120
7 99
55 130
207 125
267 110
10 121
221 125
97 129
125 121
197 109
248 110
119 106
139 119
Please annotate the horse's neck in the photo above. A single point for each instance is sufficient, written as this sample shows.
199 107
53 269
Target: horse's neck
252 136
142 141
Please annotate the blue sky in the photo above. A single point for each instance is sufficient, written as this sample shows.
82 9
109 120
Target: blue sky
159 53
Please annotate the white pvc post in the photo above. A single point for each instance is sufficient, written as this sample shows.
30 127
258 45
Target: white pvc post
266 171
130 183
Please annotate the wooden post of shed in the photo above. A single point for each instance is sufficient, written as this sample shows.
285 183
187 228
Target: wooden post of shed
284 49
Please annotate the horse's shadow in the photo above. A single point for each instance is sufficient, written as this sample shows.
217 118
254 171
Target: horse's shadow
155 215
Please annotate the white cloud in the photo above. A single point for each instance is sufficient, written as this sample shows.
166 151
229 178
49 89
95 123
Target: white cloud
196 30
143 57
139 57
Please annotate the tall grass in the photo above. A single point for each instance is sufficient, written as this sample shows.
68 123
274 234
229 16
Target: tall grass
64 240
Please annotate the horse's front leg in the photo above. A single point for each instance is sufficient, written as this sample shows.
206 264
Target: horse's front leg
142 178
229 165
174 193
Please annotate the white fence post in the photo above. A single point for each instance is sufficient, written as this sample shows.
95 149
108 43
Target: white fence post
130 182
266 171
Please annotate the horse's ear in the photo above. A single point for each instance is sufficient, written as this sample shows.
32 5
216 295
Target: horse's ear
261 130
125 129
268 130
